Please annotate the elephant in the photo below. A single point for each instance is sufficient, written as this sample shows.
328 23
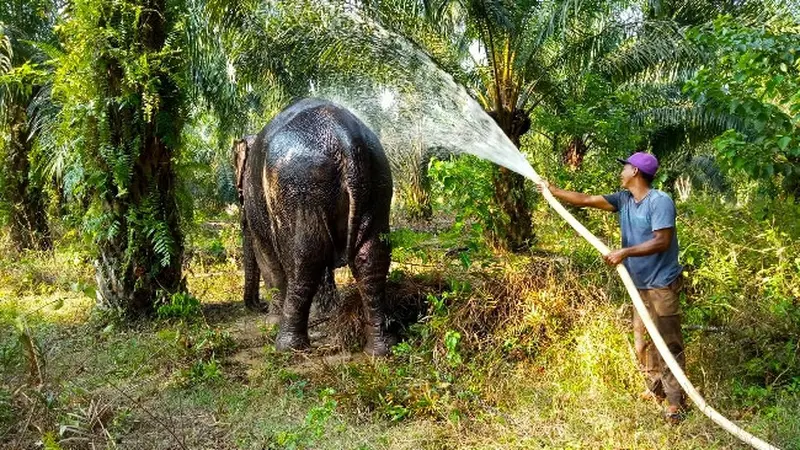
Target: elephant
315 188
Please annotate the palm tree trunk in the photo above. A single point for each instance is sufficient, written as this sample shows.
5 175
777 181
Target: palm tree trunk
29 228
509 187
575 152
132 273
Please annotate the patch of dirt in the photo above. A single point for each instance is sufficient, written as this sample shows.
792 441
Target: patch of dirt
225 312
249 361
336 335
313 363
250 330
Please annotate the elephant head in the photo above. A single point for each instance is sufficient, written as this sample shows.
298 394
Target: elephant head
240 149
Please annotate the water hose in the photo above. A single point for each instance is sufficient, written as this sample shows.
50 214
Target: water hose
673 365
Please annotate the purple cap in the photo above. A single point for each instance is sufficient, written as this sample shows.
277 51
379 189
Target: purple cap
645 162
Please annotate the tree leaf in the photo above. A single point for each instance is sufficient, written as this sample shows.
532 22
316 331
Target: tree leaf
783 142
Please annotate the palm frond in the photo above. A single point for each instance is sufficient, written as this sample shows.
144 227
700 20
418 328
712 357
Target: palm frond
494 14
210 61
653 94
46 51
697 12
660 50
556 19
6 52
791 8
704 171
52 157
690 115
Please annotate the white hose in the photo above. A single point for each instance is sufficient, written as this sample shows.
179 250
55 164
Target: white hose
673 365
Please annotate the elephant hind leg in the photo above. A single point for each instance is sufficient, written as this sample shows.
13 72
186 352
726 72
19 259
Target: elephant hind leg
370 267
300 290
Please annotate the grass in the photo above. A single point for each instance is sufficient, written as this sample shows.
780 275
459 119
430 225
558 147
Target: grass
506 351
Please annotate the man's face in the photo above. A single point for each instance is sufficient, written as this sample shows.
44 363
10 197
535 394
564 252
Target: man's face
627 175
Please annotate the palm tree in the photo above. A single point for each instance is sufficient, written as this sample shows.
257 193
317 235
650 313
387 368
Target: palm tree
22 79
132 74
120 86
510 77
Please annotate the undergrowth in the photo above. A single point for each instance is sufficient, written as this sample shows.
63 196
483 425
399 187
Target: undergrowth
498 350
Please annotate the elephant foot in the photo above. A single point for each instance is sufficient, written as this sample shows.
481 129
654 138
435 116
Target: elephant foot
287 341
379 343
273 319
256 306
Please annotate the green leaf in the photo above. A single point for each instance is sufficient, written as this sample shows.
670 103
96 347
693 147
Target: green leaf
466 261
783 142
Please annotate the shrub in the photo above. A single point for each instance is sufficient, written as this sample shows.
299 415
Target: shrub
181 305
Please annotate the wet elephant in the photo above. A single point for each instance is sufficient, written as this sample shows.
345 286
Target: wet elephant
315 187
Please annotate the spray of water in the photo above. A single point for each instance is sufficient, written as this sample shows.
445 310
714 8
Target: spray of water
437 112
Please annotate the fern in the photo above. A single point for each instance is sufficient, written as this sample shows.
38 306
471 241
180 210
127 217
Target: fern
154 227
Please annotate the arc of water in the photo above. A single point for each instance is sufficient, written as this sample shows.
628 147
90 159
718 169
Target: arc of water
673 365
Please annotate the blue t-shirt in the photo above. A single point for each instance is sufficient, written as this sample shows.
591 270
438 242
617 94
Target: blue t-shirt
638 221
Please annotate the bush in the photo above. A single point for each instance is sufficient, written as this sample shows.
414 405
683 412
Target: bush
463 187
743 274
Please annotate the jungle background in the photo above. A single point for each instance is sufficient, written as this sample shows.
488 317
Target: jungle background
121 320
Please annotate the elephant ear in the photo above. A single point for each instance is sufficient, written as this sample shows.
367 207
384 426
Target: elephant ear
239 158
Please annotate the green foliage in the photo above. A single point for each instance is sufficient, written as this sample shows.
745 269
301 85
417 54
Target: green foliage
398 391
205 165
463 187
50 441
451 341
203 372
6 412
598 114
754 74
748 286
314 424
181 305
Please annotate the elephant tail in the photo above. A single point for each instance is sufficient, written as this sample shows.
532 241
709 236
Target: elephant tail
353 215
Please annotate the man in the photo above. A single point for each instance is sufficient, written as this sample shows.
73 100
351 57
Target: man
650 253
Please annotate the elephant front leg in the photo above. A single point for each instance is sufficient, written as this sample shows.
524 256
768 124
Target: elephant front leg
276 283
252 274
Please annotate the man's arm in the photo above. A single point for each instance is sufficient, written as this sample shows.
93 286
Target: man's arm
660 243
577 198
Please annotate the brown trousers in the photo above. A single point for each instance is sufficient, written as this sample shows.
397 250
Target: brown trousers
663 305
